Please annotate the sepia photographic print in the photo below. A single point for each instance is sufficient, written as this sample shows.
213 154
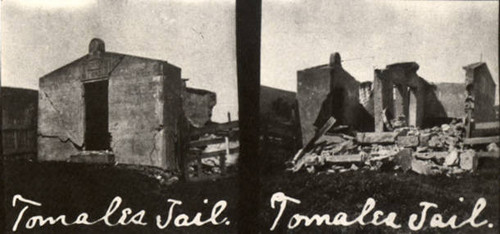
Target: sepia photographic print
235 116
119 116
379 117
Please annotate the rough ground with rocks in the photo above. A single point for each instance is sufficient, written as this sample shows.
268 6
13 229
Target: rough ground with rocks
393 190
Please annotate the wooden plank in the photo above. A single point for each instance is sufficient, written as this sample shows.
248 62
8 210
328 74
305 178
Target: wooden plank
213 153
487 125
376 137
488 154
214 128
204 142
485 132
481 140
330 139
347 158
329 123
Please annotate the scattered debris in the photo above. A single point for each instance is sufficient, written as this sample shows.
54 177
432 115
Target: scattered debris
492 147
211 156
438 150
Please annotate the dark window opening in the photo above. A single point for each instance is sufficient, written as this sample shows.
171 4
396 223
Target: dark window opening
97 135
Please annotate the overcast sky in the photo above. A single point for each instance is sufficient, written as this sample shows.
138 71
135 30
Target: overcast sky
441 36
40 36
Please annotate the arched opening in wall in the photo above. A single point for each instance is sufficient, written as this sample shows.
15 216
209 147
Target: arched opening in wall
398 97
97 135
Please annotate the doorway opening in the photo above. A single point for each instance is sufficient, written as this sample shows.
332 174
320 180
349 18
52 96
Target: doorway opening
412 107
97 135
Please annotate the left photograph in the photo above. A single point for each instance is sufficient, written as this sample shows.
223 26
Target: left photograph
119 116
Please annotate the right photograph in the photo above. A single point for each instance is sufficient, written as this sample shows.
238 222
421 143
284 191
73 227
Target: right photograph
379 117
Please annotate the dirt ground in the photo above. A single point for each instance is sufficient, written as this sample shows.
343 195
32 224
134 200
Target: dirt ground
74 188
393 191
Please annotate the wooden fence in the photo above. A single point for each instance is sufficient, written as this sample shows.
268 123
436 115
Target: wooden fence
194 167
483 133
19 143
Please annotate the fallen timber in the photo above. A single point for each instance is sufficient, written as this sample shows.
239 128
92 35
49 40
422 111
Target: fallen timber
437 150
329 123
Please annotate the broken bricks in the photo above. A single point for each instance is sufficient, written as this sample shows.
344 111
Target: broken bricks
404 159
424 167
407 141
468 160
376 137
438 150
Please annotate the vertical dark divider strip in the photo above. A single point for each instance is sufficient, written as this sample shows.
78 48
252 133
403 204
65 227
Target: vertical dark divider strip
248 24
2 193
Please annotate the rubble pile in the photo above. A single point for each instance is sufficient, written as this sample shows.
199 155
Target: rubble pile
437 150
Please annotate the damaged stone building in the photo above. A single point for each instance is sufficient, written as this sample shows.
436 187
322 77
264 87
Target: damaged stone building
481 89
114 108
19 123
398 93
398 96
329 90
198 105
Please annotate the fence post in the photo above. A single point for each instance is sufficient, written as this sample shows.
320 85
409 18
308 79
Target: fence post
222 159
198 162
222 162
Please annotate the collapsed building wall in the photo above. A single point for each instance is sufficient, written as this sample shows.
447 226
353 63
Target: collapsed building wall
444 101
481 88
19 122
399 93
397 97
329 90
366 96
107 101
198 105
448 100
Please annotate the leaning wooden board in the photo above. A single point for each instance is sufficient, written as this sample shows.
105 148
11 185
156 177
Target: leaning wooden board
329 123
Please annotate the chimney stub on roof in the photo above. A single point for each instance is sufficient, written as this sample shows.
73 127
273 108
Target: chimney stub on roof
96 46
335 59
